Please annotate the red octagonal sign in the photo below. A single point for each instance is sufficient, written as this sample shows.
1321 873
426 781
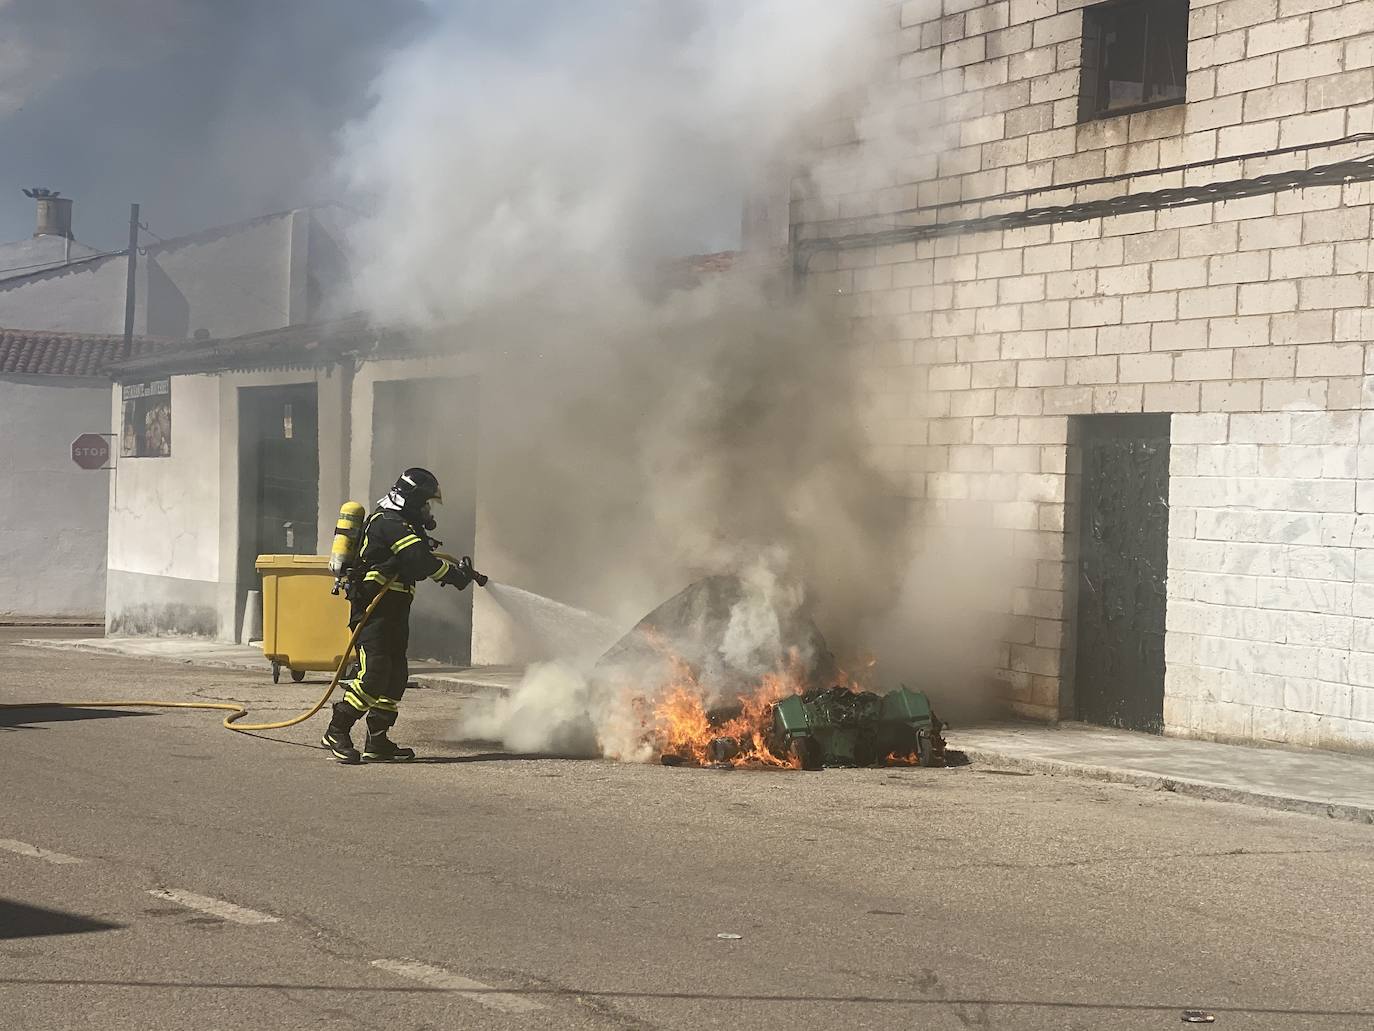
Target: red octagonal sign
90 451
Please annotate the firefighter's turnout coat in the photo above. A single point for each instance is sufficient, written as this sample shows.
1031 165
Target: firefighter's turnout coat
393 556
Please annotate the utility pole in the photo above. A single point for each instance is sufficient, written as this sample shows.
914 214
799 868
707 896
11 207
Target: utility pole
129 283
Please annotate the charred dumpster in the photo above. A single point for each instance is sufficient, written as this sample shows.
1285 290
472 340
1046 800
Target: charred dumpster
840 727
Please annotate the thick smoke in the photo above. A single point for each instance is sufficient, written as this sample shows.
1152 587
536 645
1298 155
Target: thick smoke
637 432
607 141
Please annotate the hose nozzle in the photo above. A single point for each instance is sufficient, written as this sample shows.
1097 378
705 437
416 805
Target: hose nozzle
465 564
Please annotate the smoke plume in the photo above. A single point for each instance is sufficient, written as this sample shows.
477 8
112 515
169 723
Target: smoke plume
638 431
611 137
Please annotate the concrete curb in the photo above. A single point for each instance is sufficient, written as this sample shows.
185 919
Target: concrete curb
450 684
1158 782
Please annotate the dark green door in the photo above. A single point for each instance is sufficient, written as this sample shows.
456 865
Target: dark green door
279 474
289 472
1123 541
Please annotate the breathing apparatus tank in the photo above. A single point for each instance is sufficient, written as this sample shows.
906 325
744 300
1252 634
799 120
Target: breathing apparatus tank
348 531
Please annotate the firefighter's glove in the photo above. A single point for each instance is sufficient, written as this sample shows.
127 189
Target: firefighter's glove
465 564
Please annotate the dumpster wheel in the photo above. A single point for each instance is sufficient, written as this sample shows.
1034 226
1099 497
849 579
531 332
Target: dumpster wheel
236 712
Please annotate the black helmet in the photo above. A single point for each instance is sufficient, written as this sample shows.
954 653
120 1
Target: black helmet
417 486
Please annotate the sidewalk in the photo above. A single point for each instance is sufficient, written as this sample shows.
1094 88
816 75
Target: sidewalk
53 622
1331 784
216 654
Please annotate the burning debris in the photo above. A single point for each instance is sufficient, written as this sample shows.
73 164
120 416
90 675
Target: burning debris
747 681
835 726
839 727
730 672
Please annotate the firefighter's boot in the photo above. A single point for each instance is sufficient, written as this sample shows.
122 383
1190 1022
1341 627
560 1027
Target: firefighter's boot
380 748
338 739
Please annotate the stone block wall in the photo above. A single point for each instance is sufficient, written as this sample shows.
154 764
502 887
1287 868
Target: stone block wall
981 97
980 346
1271 578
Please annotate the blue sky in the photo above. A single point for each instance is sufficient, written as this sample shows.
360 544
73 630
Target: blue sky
203 111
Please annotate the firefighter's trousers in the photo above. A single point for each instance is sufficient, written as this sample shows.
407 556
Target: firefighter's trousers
383 670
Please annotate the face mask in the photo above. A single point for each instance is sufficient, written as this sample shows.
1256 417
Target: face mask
427 517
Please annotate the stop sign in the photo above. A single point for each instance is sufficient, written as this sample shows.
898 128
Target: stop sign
90 451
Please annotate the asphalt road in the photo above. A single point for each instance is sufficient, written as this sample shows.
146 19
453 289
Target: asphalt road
157 872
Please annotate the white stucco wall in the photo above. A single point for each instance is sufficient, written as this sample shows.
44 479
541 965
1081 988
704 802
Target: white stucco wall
164 549
53 511
244 278
81 298
232 283
160 503
174 554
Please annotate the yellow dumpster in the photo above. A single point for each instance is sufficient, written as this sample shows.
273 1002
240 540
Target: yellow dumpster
304 626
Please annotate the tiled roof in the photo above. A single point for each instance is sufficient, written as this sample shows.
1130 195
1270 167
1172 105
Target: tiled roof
712 264
693 270
304 345
40 352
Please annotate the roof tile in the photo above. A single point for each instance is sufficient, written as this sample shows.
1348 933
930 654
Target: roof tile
41 352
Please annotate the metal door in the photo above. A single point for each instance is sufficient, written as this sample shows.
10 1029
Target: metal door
279 475
1123 541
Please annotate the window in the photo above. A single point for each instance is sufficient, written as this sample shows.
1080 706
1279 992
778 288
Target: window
1135 56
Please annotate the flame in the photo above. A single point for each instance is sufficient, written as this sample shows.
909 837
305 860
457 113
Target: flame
678 724
683 728
859 681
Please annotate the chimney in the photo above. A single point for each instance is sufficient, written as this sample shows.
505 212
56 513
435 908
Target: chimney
54 212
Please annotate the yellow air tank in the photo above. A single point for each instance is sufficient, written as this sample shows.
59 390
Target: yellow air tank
348 530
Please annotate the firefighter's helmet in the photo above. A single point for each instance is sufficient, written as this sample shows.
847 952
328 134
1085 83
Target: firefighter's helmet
417 486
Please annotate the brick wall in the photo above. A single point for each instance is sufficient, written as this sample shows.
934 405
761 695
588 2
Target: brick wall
981 346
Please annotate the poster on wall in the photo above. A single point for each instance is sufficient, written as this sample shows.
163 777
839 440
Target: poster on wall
147 429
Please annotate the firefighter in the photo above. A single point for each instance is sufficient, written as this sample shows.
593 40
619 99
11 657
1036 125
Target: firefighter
395 553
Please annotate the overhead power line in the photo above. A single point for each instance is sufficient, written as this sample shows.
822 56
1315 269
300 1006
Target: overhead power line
1121 177
60 264
1337 174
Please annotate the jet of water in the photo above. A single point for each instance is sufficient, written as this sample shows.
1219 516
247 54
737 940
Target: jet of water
560 631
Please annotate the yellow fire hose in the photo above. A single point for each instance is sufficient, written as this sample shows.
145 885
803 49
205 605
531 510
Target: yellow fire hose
236 712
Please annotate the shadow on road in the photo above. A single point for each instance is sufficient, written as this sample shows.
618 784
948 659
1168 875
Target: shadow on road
20 921
27 717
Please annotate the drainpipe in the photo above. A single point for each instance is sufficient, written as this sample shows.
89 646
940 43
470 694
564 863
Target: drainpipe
348 368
